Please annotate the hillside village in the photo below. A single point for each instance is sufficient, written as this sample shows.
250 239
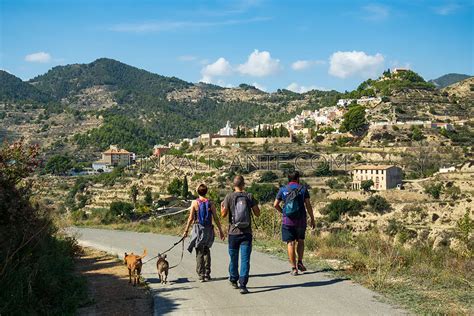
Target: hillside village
428 187
396 135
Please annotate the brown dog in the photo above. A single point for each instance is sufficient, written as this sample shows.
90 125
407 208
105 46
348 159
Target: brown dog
162 266
134 265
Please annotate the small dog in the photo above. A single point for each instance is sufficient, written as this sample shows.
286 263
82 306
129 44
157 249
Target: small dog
134 265
162 266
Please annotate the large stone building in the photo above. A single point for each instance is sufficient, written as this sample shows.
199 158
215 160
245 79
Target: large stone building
384 176
113 157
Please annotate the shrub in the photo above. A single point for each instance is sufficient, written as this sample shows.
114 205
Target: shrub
175 187
148 197
336 208
58 165
268 176
434 190
453 192
36 264
378 204
333 184
464 228
263 192
366 185
323 170
121 209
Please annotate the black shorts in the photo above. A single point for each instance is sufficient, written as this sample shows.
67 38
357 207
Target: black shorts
292 233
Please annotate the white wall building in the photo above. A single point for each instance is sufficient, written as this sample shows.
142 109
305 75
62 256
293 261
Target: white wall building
227 130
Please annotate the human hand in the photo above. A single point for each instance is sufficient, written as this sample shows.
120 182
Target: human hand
221 235
185 234
312 224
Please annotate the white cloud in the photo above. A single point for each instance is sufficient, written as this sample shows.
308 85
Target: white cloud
39 57
375 12
259 64
302 89
221 67
305 64
447 9
187 58
259 86
347 64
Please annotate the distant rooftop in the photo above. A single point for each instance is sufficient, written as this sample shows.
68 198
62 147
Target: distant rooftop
115 150
373 167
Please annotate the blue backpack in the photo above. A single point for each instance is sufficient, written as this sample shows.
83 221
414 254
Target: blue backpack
204 213
293 207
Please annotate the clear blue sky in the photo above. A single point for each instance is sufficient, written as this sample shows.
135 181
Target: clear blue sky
273 44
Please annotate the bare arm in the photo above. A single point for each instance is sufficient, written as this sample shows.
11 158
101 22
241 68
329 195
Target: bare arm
256 210
216 220
277 205
309 210
224 210
190 219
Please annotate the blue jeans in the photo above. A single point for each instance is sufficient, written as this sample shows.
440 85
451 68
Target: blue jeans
243 244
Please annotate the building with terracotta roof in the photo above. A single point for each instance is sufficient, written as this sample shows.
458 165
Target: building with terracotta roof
113 157
384 176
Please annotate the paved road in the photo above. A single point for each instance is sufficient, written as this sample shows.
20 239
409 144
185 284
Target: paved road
273 290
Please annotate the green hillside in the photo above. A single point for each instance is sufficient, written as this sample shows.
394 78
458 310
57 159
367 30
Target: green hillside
144 115
448 80
14 89
64 81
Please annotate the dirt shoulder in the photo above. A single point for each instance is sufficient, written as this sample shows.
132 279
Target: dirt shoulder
108 288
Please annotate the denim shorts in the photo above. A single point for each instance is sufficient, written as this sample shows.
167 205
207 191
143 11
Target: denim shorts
292 233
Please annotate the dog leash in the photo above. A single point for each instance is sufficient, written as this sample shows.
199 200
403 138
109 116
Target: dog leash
182 254
168 250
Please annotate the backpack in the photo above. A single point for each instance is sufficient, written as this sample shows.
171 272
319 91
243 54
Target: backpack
292 208
241 214
204 213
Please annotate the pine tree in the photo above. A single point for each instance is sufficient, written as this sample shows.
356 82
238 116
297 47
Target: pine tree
185 189
148 197
134 193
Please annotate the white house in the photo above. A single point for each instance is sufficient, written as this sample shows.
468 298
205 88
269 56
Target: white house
227 130
344 102
447 169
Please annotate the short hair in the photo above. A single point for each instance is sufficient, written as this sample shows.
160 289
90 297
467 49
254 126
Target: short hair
202 189
239 181
294 176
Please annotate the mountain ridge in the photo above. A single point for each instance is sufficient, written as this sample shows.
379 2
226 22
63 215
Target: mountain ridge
448 80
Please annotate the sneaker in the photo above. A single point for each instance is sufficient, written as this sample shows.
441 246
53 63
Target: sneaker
202 278
243 290
207 278
234 284
294 272
301 266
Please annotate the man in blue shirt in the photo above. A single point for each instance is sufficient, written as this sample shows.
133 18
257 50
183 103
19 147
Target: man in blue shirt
293 229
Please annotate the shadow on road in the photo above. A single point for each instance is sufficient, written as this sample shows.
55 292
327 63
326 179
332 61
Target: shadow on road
263 275
177 281
289 286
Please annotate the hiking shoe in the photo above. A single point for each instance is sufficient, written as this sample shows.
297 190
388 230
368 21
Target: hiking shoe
243 290
294 272
234 284
301 266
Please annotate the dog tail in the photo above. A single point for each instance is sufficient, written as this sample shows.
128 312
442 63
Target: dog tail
144 254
